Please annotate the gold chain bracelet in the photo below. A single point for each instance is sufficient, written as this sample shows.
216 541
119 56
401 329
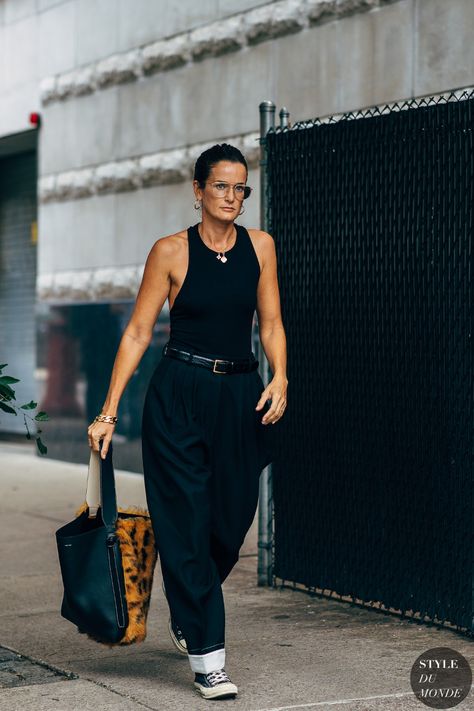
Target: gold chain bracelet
111 419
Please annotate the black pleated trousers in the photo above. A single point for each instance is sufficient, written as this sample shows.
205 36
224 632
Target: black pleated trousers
203 448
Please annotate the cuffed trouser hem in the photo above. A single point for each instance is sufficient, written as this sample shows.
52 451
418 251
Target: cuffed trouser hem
205 663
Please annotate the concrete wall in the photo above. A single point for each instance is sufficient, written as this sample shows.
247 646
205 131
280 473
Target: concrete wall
42 38
130 93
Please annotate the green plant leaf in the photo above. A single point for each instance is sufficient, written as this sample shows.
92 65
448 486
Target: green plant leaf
7 392
29 406
41 447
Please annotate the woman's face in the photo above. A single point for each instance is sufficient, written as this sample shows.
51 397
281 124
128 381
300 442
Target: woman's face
223 193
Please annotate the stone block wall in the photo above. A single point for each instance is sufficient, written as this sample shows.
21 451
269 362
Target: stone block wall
130 94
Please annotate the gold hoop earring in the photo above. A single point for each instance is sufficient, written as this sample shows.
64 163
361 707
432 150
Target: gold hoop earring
198 205
242 210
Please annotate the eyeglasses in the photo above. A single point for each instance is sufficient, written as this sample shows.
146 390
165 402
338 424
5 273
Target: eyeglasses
241 191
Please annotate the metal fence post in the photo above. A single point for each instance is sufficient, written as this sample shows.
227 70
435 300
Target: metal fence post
265 507
284 115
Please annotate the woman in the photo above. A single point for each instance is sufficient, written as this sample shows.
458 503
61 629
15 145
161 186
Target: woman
204 439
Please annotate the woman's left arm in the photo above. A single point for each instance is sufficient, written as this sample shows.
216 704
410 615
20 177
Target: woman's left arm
271 329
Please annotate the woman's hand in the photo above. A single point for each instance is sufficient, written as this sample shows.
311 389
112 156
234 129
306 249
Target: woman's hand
97 431
276 392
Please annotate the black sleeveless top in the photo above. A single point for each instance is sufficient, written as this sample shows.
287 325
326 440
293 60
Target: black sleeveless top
213 311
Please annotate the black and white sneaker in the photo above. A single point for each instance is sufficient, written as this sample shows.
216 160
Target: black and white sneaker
176 635
214 684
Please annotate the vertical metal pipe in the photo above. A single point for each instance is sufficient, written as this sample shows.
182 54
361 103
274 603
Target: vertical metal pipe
265 507
284 117
267 121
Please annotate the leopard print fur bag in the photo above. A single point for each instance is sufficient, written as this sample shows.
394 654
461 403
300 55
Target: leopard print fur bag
138 552
137 546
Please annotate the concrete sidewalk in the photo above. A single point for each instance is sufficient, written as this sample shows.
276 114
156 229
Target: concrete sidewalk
285 650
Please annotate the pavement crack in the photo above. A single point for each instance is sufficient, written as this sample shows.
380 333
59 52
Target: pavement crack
119 693
35 514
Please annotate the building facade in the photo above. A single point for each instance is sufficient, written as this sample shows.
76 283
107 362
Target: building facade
105 106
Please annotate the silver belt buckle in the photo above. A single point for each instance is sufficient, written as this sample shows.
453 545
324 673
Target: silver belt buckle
218 360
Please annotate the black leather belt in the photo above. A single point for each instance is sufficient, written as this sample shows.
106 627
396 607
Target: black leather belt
217 365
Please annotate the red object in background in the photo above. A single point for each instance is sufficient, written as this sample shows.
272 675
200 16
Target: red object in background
35 118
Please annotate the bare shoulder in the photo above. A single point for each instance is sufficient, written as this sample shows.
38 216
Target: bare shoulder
158 275
169 246
264 246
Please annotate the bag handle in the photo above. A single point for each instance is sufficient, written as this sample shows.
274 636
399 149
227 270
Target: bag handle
100 489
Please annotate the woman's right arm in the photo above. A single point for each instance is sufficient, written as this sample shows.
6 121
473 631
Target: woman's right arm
136 337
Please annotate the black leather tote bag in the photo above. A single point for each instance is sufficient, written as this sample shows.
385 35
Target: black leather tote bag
91 566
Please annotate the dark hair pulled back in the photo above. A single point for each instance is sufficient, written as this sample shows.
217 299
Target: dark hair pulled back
211 156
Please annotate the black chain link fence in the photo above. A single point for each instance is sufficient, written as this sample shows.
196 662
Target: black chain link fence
372 215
